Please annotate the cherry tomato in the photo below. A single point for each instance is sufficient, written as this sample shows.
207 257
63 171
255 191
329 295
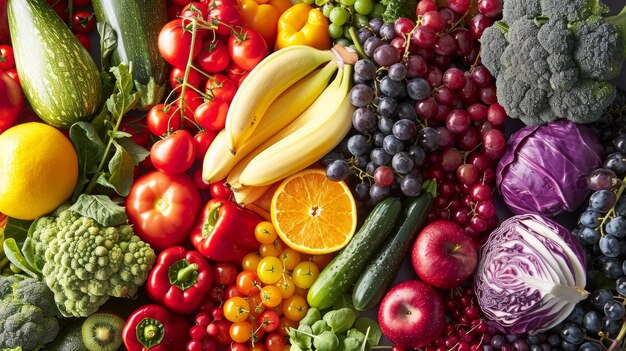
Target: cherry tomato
269 321
228 17
285 324
295 308
84 40
211 115
289 258
173 11
256 304
247 48
161 121
195 9
219 190
237 346
271 296
213 57
286 286
7 60
138 129
11 102
201 141
198 180
177 76
265 233
247 281
236 309
275 341
156 204
232 291
80 3
219 331
224 273
175 41
83 22
61 8
250 261
221 2
221 87
210 344
321 261
174 154
236 73
273 249
269 269
305 273
257 347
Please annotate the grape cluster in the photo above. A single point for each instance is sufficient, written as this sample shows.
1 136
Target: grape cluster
611 128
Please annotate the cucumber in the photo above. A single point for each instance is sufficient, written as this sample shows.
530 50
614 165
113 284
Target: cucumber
337 277
59 77
378 275
137 24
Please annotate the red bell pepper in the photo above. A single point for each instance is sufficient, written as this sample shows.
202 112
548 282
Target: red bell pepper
225 231
180 279
153 328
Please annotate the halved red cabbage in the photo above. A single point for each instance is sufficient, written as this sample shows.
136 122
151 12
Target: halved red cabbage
531 274
544 169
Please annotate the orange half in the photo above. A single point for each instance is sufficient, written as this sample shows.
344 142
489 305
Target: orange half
312 214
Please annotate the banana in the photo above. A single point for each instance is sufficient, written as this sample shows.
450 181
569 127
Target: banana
219 161
249 194
328 98
305 145
265 83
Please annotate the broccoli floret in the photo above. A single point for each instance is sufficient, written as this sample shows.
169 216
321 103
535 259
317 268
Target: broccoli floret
553 59
27 313
85 263
395 9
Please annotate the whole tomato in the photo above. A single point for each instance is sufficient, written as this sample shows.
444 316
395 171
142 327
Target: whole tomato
214 57
83 22
7 60
13 74
221 87
195 9
138 129
162 208
219 190
247 48
211 115
198 180
177 76
175 41
11 102
228 17
174 154
202 140
236 73
160 120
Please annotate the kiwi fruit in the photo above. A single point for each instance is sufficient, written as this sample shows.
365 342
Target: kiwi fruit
102 331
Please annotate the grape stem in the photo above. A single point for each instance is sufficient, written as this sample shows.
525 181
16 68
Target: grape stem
616 344
611 214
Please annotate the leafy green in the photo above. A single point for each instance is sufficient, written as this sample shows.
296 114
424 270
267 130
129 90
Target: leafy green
299 337
363 324
340 320
90 150
345 301
101 209
312 315
320 327
13 253
16 229
350 344
399 8
326 341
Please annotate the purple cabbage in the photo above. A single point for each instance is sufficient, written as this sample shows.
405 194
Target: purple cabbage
545 167
530 276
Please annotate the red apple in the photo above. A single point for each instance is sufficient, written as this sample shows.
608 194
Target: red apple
443 255
411 315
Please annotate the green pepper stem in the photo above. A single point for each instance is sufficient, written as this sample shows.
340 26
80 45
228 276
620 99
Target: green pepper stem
212 216
187 273
150 331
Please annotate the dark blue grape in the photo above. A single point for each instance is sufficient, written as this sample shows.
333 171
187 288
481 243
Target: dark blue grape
379 157
361 192
330 157
375 24
363 33
392 145
617 163
589 236
364 120
602 200
536 348
379 193
520 345
402 162
387 107
554 340
620 207
359 145
406 110
370 168
378 139
404 129
611 267
609 246
397 71
614 310
418 88
592 321
620 286
577 314
361 95
385 125
573 334
386 31
600 297
418 154
616 227
590 219
411 185
428 138
392 88
590 346
611 326
370 45
497 341
365 69
568 346
338 170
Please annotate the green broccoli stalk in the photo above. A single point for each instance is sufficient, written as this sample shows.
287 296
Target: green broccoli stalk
85 263
27 313
555 59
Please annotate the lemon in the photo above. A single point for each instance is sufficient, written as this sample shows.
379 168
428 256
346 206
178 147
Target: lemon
38 170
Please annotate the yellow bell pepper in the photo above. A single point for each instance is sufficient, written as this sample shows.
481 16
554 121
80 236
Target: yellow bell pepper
262 16
302 24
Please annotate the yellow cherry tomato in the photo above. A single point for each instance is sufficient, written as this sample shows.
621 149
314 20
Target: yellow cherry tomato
240 331
265 233
295 308
300 291
290 258
270 270
271 296
305 274
236 309
250 261
321 261
286 286
272 249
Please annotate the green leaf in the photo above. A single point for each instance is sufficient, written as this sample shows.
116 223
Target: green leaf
296 337
108 44
90 150
136 151
17 229
345 301
350 344
120 175
320 327
357 334
363 323
118 134
124 99
13 253
312 315
28 250
340 320
101 209
326 341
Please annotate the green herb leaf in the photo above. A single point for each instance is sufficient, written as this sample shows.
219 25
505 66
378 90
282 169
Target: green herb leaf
108 44
351 344
375 334
326 341
124 99
13 253
355 333
101 209
312 315
17 229
320 327
118 134
28 250
345 301
297 337
340 320
136 151
90 150
121 169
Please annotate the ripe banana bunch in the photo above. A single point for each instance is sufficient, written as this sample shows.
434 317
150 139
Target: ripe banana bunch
265 83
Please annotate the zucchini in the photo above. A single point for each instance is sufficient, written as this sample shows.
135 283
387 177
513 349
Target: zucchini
337 277
137 24
59 77
376 278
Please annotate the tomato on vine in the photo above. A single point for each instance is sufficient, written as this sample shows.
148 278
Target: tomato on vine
174 154
275 342
269 321
236 309
211 115
202 141
221 87
286 286
305 273
228 17
250 261
83 22
247 48
219 190
273 249
289 258
214 57
160 120
175 42
177 77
